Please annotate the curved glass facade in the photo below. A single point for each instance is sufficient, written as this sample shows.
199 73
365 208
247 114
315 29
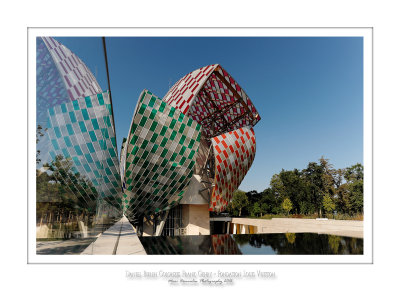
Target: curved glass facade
159 156
78 185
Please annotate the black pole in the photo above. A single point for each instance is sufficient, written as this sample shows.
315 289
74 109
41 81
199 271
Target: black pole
109 89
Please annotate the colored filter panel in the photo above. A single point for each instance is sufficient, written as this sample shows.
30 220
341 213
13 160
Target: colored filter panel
78 79
159 162
182 93
50 88
234 153
86 148
214 99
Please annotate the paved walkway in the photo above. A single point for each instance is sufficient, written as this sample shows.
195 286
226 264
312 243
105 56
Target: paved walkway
73 246
351 228
119 239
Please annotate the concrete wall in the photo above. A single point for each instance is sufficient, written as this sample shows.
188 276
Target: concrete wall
192 195
351 228
196 219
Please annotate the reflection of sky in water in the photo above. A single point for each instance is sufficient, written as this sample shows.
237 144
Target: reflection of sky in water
250 250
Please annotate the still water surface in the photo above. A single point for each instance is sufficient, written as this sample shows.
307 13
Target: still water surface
254 244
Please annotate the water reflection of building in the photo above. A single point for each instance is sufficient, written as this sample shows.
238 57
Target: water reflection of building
262 244
223 244
194 244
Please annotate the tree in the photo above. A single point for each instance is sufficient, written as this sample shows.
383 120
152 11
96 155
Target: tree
252 196
72 182
354 173
264 208
356 190
328 180
303 207
270 201
319 180
287 205
256 209
328 203
277 184
231 210
353 196
239 201
39 135
316 189
290 184
338 177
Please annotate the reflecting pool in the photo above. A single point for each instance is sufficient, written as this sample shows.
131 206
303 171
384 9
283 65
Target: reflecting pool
254 244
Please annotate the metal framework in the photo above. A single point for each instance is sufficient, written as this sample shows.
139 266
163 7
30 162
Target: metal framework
214 99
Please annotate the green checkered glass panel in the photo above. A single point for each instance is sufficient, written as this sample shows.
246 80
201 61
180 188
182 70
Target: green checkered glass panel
82 132
160 154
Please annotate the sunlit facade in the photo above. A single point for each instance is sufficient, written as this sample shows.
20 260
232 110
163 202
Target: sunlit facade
191 148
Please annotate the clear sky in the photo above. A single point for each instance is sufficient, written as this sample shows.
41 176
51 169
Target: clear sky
307 90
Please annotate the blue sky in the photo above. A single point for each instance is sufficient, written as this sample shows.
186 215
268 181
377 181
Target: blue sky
308 90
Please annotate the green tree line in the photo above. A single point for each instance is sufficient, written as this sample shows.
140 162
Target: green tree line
319 190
